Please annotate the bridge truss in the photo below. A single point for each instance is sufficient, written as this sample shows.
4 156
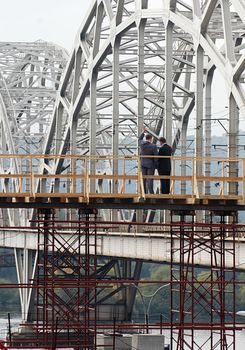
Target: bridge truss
136 63
30 75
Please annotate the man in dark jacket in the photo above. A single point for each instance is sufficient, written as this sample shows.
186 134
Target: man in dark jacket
164 164
148 164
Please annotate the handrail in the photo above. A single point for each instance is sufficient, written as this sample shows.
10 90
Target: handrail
110 156
75 177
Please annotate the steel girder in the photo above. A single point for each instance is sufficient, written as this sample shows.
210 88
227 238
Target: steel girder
29 79
138 63
134 62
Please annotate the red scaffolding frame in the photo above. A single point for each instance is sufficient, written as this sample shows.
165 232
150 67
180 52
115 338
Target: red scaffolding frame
214 295
66 280
68 284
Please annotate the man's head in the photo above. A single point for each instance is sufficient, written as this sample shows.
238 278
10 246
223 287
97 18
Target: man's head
162 140
148 137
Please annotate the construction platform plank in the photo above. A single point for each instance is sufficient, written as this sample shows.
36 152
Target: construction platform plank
131 201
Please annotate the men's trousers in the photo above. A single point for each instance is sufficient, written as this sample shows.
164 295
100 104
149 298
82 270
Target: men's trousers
148 183
165 183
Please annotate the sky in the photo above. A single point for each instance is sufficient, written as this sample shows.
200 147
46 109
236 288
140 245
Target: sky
58 21
55 21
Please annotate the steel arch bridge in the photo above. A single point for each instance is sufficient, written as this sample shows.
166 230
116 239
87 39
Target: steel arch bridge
149 63
134 63
30 75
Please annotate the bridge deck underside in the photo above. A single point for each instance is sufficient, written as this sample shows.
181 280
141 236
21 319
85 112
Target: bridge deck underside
157 201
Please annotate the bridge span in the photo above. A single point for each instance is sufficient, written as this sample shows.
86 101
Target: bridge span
146 246
135 64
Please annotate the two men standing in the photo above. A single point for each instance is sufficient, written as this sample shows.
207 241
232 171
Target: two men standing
150 162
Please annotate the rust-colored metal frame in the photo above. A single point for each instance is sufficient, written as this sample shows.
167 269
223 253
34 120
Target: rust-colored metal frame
68 282
212 294
66 279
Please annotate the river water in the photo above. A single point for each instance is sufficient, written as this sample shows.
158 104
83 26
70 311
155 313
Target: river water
201 336
14 328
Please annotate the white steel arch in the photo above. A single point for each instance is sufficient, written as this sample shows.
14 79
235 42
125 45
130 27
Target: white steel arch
30 75
133 63
29 79
149 63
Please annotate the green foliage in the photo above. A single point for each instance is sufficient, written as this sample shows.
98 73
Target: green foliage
160 303
9 299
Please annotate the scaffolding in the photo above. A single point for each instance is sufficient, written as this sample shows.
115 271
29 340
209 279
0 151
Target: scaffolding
213 296
66 280
70 284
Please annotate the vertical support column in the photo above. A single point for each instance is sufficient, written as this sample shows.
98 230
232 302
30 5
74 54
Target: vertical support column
182 277
199 111
93 94
45 306
75 91
234 236
199 121
88 263
183 161
233 112
66 281
233 143
141 85
92 128
115 126
169 82
140 93
168 113
199 303
223 272
208 134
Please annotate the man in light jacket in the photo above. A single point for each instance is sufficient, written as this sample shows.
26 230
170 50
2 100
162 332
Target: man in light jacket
148 164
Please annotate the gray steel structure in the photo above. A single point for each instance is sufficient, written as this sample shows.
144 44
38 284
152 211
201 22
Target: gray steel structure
150 63
30 75
135 63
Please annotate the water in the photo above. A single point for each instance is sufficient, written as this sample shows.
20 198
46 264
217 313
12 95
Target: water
200 339
14 328
202 336
4 326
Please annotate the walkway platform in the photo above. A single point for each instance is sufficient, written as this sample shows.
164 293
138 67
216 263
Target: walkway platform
111 202
86 181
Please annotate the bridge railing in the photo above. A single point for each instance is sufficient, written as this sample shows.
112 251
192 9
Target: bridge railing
109 176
